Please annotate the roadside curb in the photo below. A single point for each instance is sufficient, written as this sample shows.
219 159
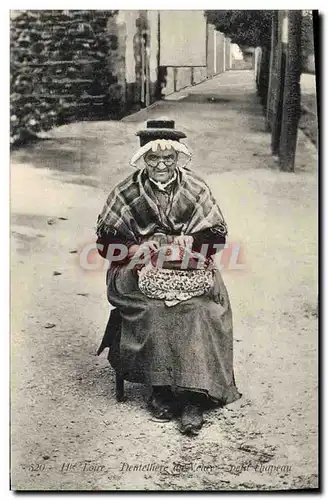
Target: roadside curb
141 113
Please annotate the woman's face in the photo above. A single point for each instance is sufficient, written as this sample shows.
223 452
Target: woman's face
161 164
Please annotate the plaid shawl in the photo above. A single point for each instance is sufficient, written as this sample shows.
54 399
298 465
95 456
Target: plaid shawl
132 213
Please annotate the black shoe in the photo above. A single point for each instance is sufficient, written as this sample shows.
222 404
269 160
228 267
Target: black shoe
162 404
191 420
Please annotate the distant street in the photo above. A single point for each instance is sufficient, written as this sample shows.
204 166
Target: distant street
308 84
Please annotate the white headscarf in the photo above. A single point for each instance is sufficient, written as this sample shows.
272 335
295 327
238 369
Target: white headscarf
162 144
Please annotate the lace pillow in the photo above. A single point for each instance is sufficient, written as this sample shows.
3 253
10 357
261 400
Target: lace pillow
173 285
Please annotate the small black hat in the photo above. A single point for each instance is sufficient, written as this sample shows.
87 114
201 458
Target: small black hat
160 129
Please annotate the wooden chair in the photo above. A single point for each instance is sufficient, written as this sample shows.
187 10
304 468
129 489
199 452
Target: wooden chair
119 387
111 339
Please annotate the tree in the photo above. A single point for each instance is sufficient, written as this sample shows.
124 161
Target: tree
278 70
292 93
273 65
251 28
245 27
307 38
278 79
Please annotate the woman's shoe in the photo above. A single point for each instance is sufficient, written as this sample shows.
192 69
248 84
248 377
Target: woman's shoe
162 404
191 420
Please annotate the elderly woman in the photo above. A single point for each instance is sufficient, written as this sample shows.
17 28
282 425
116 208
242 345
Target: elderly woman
175 324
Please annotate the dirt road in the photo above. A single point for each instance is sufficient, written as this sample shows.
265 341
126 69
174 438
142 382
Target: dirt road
68 433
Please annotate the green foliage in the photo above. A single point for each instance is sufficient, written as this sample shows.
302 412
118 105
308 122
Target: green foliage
245 27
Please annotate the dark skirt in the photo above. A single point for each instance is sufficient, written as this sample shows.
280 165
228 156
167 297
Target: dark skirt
188 346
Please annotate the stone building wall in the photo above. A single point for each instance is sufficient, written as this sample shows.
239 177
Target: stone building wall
60 68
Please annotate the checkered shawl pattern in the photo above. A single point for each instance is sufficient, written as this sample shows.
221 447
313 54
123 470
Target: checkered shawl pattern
131 212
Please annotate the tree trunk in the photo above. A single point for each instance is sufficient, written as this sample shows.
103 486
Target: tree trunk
292 93
263 81
258 55
278 86
273 69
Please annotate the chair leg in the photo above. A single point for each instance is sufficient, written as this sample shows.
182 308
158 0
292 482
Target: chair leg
119 387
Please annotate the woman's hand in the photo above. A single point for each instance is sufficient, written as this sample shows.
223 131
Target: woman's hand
184 241
145 248
150 245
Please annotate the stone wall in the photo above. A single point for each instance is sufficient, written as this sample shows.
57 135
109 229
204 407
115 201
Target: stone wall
176 79
183 78
198 75
60 69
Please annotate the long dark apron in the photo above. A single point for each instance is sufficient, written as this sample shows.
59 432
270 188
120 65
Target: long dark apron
186 346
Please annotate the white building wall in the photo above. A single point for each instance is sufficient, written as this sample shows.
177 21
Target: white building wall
153 55
183 38
128 18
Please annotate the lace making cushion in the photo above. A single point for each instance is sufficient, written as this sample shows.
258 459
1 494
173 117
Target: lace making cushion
174 285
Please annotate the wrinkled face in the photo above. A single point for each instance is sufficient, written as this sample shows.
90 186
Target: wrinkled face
161 164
